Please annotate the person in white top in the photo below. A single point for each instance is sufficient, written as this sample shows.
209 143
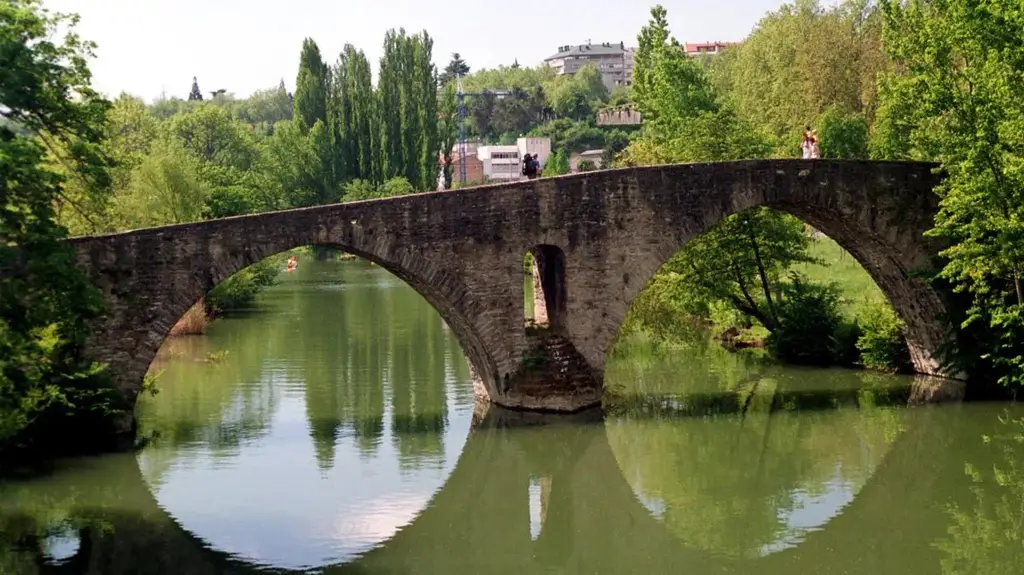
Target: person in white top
809 145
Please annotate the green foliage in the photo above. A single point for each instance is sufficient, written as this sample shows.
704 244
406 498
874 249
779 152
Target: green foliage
45 302
798 62
809 322
239 291
956 99
586 166
668 86
571 136
165 188
741 270
843 135
742 262
881 345
557 164
448 130
364 190
310 103
456 67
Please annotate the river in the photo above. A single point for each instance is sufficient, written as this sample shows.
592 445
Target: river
333 429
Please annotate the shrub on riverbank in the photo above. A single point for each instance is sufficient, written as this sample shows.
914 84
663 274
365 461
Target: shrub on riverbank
881 344
240 290
844 322
810 329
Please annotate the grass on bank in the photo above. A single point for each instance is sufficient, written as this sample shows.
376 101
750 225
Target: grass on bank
859 293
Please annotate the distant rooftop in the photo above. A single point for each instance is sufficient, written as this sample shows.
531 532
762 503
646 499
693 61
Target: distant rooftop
697 47
588 49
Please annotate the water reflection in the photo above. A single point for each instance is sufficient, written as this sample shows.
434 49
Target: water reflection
537 498
757 457
338 406
337 434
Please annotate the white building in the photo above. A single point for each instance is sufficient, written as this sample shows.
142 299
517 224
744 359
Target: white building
505 163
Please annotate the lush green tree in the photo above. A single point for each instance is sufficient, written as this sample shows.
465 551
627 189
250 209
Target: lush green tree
195 94
264 108
957 96
311 86
843 135
425 94
508 77
456 67
799 61
586 165
481 111
448 130
45 302
364 190
515 114
743 261
165 189
572 136
668 86
557 164
360 115
389 98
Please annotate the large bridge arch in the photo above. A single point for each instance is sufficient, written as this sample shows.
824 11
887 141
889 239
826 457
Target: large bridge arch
876 211
463 251
148 283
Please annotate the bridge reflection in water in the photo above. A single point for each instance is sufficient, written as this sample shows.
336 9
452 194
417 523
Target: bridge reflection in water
530 494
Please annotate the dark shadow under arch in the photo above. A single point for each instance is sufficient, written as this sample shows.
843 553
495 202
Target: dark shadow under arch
549 286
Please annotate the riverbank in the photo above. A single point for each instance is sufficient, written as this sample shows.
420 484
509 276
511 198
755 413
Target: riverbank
238 293
825 310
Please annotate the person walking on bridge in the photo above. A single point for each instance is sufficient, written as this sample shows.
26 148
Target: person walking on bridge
809 145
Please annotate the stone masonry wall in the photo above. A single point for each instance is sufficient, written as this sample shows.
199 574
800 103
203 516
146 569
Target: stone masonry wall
463 251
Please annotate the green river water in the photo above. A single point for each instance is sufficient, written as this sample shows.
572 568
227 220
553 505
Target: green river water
333 430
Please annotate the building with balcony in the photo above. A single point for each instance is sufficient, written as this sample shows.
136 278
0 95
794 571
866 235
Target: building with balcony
613 61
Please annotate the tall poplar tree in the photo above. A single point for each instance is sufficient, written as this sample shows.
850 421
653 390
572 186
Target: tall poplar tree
311 86
409 115
426 98
389 100
448 129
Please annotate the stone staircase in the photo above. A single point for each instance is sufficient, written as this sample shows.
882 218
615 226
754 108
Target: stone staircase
558 365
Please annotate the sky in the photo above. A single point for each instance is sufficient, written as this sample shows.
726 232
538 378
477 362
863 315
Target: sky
151 48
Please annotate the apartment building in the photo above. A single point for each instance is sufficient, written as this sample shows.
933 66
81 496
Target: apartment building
613 61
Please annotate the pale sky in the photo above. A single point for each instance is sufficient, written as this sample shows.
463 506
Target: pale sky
148 47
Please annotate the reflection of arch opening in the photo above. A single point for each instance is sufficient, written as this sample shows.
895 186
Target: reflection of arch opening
549 296
360 311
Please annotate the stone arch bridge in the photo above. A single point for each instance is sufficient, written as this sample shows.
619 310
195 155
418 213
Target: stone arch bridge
598 238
